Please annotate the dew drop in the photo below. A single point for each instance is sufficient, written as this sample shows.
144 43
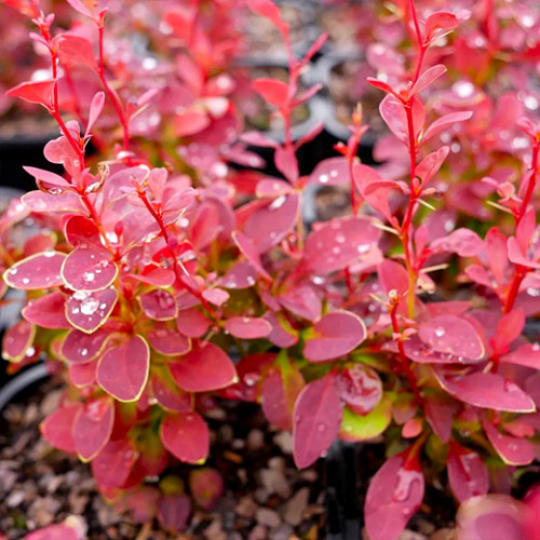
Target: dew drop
278 203
88 276
25 281
84 352
89 306
362 248
49 253
321 428
439 332
324 178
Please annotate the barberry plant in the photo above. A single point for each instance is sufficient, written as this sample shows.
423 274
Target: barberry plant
155 291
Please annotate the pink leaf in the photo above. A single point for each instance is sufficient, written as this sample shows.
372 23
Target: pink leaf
453 335
159 305
216 296
240 276
273 91
123 370
269 224
331 172
317 419
287 163
203 369
254 138
41 271
442 123
527 355
440 416
338 243
428 77
57 428
47 311
381 85
174 512
440 23
98 101
335 335
40 92
303 302
48 181
88 311
192 323
488 391
431 164
246 246
88 270
393 277
93 426
168 341
247 327
81 348
113 465
186 436
393 496
17 341
467 474
360 388
464 242
76 51
169 395
72 528
512 450
81 375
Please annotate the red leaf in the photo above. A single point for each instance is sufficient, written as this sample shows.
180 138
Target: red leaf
273 91
431 164
360 388
335 335
50 182
488 391
203 369
467 474
303 301
57 428
512 450
123 370
47 311
393 277
381 85
81 232
17 341
247 327
159 305
440 23
287 163
174 512
331 172
393 496
240 276
76 51
81 348
190 123
186 436
168 341
442 123
98 101
112 467
317 419
93 426
509 328
440 416
40 92
453 335
246 246
269 224
266 8
88 311
168 395
527 355
254 138
428 77
41 271
206 486
464 242
192 323
216 296
81 375
88 270
338 243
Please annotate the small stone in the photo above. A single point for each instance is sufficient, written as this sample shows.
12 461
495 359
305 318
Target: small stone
246 507
411 535
258 533
296 506
214 531
270 518
15 498
444 534
277 464
225 433
275 482
283 532
255 439
261 495
285 442
309 475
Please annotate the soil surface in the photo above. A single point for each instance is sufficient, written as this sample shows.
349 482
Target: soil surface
266 496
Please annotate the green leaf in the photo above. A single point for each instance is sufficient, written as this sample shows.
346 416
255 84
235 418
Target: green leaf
355 427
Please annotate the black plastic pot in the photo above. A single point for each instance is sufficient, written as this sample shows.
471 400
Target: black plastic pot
335 131
22 382
19 151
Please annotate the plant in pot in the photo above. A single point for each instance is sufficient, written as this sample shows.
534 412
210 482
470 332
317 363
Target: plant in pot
155 280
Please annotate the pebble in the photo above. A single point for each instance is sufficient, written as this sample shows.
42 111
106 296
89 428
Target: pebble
255 440
268 517
285 442
258 533
246 507
294 509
